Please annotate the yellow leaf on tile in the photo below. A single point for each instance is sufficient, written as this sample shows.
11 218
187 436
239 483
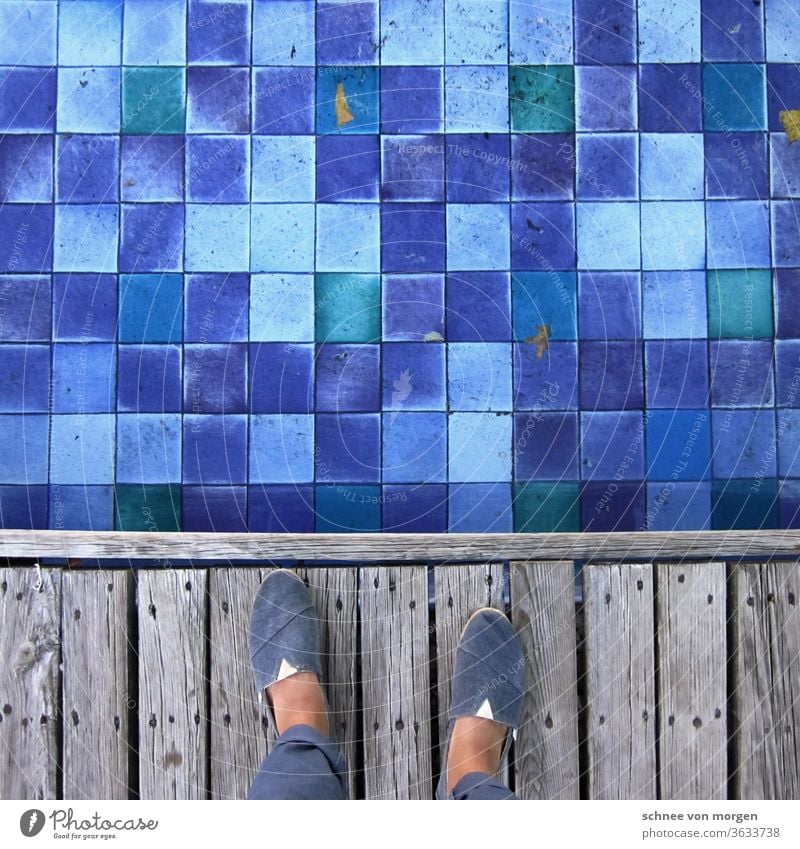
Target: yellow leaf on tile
343 113
790 118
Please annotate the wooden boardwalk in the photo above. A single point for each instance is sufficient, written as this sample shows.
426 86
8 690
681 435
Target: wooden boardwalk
674 681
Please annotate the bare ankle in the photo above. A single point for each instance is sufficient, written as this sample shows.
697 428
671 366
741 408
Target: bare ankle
298 700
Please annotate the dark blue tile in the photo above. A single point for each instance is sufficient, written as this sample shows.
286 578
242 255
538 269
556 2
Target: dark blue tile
215 378
608 167
218 34
744 443
348 508
281 378
547 447
787 302
783 83
744 504
347 448
27 231
413 237
85 307
23 507
347 168
542 166
611 506
413 307
412 168
611 375
679 445
214 508
24 379
411 100
790 504
478 306
215 449
218 169
676 373
26 168
216 307
609 305
347 33
25 308
348 378
733 31
27 100
87 169
736 168
787 357
605 31
414 447
741 373
414 376
218 100
152 168
786 233
542 236
81 508
670 99
283 101
480 508
612 446
151 237
279 509
414 509
149 379
606 97
84 377
547 382
681 506
477 167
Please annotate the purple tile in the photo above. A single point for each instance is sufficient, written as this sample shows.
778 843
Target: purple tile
787 302
27 100
347 168
412 168
611 376
612 506
783 83
218 34
26 168
786 233
87 169
279 509
214 508
669 99
23 507
612 446
733 31
218 100
27 232
606 97
152 237
411 100
85 307
542 166
608 167
605 32
414 508
25 308
413 307
546 446
216 307
478 167
281 378
736 168
215 449
25 379
542 236
478 306
149 379
347 33
414 376
214 378
609 305
348 378
283 101
741 373
676 373
413 237
549 382
787 356
348 448
218 169
152 168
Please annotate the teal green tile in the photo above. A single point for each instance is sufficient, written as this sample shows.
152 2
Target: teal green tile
542 507
153 101
348 307
740 304
153 507
542 98
735 97
151 308
544 299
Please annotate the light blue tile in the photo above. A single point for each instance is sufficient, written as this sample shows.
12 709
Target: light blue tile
86 238
783 45
476 33
82 449
84 378
540 32
672 166
673 235
479 447
283 237
282 308
412 34
217 237
283 168
88 100
478 236
154 32
27 463
90 32
608 236
283 33
674 305
414 447
27 32
281 449
348 237
479 376
148 448
476 99
480 508
669 30
738 234
81 508
784 167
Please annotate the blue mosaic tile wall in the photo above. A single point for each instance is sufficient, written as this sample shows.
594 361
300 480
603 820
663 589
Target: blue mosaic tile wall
431 265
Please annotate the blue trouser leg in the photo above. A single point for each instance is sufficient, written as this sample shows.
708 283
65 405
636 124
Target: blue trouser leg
481 785
303 765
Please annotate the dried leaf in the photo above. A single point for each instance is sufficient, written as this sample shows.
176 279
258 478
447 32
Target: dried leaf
343 113
790 118
433 336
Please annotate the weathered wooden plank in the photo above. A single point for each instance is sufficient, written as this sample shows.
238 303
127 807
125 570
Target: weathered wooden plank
95 645
691 652
173 750
238 720
620 681
460 590
543 611
634 546
30 654
395 682
766 692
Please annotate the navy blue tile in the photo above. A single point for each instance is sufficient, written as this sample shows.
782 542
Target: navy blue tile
609 305
787 302
218 169
23 507
546 446
542 236
608 167
414 509
547 382
783 83
215 449
414 376
542 166
87 169
611 375
215 378
411 100
733 31
218 100
281 378
478 167
216 307
218 34
348 378
413 237
413 307
412 168
26 308
676 373
152 168
348 167
24 379
605 31
283 101
27 230
149 379
347 33
279 509
787 368
26 168
741 373
85 307
670 99
786 233
347 448
744 504
736 169
611 506
612 445
214 508
27 100
790 504
478 306
151 237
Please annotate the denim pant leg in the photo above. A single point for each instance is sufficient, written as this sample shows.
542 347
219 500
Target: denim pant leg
481 785
303 765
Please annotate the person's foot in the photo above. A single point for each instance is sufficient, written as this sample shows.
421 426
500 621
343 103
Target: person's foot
284 652
488 684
